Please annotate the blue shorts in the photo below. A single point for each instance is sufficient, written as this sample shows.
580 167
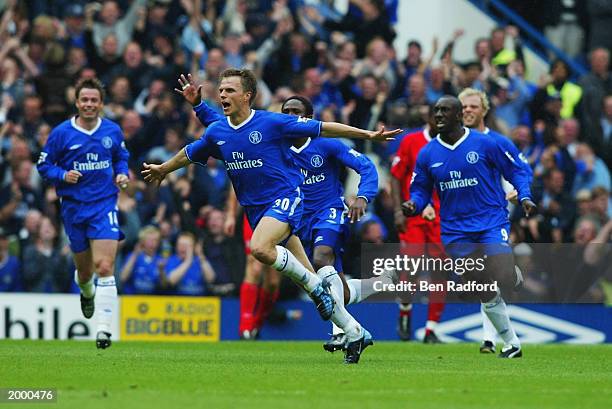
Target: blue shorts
287 209
327 227
90 221
491 242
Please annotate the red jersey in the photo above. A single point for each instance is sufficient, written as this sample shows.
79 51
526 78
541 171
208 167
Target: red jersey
403 167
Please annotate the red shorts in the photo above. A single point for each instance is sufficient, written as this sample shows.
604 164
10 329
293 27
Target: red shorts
247 233
422 239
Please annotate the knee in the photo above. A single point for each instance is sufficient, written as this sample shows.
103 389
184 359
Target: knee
104 267
323 256
263 252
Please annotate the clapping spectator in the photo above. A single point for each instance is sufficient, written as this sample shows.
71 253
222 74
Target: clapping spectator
139 274
187 272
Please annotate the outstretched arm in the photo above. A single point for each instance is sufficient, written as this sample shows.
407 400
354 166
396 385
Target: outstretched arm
338 130
152 172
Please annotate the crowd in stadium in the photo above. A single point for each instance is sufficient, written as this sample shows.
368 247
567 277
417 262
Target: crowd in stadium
345 64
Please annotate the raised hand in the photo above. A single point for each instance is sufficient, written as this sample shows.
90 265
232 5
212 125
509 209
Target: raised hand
188 90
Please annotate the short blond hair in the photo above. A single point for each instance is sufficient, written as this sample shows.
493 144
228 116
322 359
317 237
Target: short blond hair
144 232
468 92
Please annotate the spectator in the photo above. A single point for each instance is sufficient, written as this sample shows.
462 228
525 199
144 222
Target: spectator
557 210
601 139
564 25
18 197
223 253
102 60
595 85
592 172
510 98
46 263
110 22
29 232
74 19
372 23
119 98
173 142
600 21
378 63
187 272
602 209
558 84
502 54
10 267
140 274
134 67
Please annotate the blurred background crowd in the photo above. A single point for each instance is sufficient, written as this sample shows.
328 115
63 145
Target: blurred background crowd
345 62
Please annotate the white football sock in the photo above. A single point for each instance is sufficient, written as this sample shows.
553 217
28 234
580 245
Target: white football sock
336 329
106 302
88 289
362 289
498 314
354 291
489 333
290 266
341 316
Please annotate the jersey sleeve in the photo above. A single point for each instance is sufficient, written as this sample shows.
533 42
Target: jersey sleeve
368 183
47 161
199 151
422 182
506 158
401 161
507 144
206 114
299 126
120 156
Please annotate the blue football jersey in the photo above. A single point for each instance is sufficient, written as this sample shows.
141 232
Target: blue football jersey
145 275
320 161
256 153
192 283
98 154
467 178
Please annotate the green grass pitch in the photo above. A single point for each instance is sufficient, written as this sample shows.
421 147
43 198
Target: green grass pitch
301 375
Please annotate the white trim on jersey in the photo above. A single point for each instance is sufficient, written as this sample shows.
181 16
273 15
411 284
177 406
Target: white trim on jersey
301 148
459 142
85 131
426 134
243 123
